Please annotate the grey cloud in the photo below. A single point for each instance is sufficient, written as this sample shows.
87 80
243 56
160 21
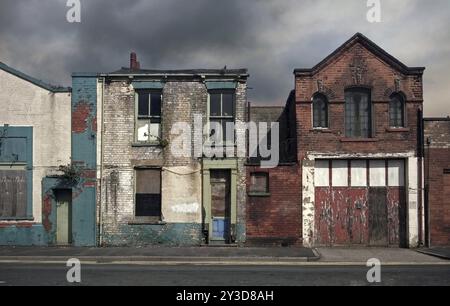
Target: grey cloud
270 38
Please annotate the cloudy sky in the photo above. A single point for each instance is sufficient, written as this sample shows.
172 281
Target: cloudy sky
270 38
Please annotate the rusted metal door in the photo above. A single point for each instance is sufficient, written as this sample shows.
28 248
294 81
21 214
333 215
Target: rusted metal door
378 217
220 205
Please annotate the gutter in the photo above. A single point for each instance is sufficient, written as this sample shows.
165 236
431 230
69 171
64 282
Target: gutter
102 129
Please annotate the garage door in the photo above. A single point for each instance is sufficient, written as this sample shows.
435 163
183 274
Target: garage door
360 202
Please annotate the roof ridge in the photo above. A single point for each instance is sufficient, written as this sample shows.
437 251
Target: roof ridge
371 46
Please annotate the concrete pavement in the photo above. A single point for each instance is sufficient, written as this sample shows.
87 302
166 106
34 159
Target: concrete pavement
440 252
392 256
218 256
173 255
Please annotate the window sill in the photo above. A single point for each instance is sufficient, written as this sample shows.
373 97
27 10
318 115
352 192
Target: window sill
5 219
397 130
146 145
321 130
359 140
259 195
145 221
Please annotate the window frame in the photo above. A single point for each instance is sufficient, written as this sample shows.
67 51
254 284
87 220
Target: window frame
364 90
150 118
327 117
148 219
18 167
221 117
265 193
402 100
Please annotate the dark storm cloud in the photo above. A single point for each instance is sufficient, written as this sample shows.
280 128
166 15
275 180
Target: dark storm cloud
270 38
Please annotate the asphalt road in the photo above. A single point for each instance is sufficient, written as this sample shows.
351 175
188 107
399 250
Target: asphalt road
118 275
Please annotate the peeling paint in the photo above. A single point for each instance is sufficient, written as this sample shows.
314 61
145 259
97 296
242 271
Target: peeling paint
186 208
46 212
80 116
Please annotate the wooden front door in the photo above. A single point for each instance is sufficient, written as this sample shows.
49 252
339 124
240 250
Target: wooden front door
63 217
220 205
378 217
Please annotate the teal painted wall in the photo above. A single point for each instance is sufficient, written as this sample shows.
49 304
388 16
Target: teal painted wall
16 146
84 154
21 235
171 234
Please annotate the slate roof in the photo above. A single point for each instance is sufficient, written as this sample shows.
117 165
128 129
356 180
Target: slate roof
39 83
124 71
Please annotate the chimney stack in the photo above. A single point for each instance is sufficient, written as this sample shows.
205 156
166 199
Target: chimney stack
134 64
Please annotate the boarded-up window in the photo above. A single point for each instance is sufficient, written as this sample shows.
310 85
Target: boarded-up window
259 183
322 173
148 193
377 172
340 173
13 193
359 173
396 173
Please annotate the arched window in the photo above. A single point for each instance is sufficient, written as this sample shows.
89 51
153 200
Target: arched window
320 111
397 111
358 113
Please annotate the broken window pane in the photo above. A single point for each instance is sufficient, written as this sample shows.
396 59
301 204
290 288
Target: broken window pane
143 130
155 132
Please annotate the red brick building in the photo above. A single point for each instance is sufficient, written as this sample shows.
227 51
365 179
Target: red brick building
437 180
356 178
274 194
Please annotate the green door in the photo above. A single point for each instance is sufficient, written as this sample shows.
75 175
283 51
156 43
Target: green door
63 217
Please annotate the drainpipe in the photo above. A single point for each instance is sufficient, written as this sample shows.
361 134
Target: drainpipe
427 195
420 154
100 208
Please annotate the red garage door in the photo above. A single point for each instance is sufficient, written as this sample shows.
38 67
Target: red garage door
360 202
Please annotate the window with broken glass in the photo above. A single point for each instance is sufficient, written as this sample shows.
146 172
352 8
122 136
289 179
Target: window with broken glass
222 116
358 113
148 116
